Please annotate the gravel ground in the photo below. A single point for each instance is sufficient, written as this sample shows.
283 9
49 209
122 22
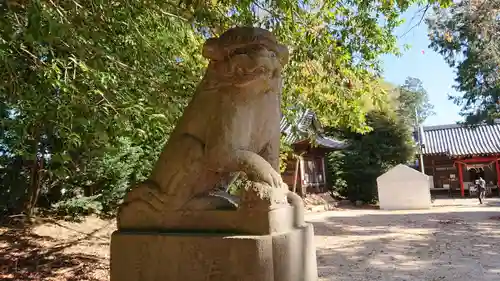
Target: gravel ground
455 240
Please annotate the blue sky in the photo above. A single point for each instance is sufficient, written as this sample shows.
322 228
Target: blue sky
436 76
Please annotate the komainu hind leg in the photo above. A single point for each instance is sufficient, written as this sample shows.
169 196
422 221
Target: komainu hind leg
142 207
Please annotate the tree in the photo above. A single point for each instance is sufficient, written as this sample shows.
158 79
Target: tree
354 171
87 87
467 35
76 79
412 99
335 49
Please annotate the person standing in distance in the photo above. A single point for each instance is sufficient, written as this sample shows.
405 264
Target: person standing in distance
481 189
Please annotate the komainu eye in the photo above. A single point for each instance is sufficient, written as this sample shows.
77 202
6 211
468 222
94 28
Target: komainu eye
239 51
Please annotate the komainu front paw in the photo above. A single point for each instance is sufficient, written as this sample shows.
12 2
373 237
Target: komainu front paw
260 195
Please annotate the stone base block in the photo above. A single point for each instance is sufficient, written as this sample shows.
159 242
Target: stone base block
288 256
255 222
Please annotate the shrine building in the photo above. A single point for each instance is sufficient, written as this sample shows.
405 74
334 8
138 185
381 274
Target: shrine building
456 155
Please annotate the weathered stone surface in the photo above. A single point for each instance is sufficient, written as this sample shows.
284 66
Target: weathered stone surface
253 216
230 126
285 256
256 222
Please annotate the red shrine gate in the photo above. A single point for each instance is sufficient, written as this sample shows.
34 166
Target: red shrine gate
455 156
472 162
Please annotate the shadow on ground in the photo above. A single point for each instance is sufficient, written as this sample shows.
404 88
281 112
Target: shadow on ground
377 245
461 243
26 255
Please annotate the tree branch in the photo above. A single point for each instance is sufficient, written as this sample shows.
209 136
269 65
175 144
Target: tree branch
424 11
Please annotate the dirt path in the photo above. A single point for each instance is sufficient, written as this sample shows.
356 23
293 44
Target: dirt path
456 241
56 251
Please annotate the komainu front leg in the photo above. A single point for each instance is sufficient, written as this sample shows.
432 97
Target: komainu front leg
271 154
257 168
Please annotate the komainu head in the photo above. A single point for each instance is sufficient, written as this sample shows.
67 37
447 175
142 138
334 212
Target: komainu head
246 55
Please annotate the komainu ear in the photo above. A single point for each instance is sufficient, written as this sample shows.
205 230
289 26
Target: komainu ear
211 49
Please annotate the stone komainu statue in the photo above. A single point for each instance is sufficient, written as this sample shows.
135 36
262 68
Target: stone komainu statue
231 125
175 226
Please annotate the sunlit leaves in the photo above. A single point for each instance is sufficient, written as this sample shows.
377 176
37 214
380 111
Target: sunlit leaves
335 49
467 36
355 170
413 102
85 84
80 75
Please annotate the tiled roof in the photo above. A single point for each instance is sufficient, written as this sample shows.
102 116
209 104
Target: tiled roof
459 140
308 124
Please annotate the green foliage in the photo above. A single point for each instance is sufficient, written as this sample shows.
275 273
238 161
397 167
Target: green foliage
336 172
353 172
413 102
238 185
101 184
335 49
90 90
12 178
113 174
468 37
286 152
77 206
77 77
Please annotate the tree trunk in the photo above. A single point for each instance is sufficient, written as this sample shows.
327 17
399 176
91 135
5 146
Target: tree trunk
35 186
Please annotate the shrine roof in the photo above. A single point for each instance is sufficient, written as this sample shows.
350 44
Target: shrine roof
460 140
305 126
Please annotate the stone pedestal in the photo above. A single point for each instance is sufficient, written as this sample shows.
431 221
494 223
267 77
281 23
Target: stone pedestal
202 256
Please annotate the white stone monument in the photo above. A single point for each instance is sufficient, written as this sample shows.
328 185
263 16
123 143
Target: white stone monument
403 188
